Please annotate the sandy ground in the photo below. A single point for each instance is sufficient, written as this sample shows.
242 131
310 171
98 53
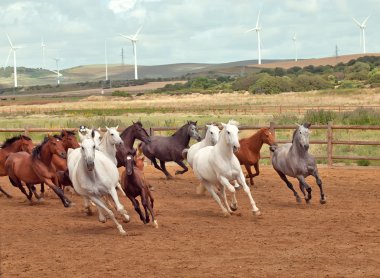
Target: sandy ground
339 239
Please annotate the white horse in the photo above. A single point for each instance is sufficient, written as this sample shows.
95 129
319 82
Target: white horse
211 138
86 133
217 165
109 141
93 176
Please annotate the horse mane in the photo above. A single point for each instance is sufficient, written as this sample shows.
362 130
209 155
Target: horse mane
69 132
37 150
233 122
10 141
184 126
294 134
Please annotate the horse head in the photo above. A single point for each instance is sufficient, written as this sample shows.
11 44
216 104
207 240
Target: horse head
140 132
55 145
230 134
268 137
212 134
301 136
88 152
69 140
26 144
192 130
113 136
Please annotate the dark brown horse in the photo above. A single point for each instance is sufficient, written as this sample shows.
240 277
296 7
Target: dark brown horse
15 144
170 148
129 135
249 152
134 185
37 168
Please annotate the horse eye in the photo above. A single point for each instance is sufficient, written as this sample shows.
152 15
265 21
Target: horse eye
228 132
93 147
82 148
111 134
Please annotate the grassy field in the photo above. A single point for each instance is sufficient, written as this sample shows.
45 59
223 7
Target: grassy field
163 110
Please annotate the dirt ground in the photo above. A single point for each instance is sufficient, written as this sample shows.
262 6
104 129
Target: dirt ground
339 239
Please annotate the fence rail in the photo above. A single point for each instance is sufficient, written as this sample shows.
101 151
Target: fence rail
329 142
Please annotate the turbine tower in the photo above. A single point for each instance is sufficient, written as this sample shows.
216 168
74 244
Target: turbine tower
295 46
43 45
105 57
57 71
362 26
257 29
13 49
133 39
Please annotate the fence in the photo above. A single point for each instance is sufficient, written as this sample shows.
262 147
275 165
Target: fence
329 141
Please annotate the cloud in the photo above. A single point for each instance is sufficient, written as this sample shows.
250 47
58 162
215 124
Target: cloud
121 6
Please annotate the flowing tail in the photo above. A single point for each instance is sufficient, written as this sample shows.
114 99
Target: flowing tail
184 153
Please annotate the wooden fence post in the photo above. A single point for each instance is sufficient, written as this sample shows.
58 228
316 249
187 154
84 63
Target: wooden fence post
329 144
273 130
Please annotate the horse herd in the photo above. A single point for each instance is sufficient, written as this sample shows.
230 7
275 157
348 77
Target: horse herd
91 166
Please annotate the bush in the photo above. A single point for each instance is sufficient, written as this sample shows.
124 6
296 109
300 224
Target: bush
319 116
307 82
363 162
120 94
271 85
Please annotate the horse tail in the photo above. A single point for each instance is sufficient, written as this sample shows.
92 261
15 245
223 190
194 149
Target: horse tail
184 153
139 149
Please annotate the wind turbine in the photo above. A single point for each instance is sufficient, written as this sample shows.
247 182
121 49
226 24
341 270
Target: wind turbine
43 45
295 46
133 39
105 57
257 29
57 71
362 26
13 49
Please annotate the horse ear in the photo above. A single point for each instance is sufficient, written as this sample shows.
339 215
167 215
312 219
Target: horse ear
133 122
208 126
307 125
196 122
117 127
107 128
81 137
223 124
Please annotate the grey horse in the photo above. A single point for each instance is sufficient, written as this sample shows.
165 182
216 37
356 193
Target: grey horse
293 160
170 148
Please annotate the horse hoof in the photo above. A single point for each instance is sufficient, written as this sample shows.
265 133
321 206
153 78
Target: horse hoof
322 201
257 213
307 201
123 233
226 214
104 220
127 219
233 207
169 177
299 201
155 224
40 200
177 172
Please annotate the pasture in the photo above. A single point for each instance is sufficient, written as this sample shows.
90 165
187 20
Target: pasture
339 239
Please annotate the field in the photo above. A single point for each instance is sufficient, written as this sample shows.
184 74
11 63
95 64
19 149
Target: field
339 239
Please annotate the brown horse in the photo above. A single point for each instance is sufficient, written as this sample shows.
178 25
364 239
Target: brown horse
134 185
15 144
37 168
69 141
249 152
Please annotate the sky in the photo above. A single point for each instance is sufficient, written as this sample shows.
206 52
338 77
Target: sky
182 31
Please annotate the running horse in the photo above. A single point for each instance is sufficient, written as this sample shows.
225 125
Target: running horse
134 184
294 160
37 168
249 152
170 148
15 144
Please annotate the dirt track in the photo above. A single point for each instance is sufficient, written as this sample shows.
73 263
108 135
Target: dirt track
339 239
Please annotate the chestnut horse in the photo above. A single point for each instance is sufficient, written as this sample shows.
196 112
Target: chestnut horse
68 141
249 152
37 168
134 185
15 144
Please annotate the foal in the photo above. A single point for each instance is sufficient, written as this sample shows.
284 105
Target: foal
134 185
249 152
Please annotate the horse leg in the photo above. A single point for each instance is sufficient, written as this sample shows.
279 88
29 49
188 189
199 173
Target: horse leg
301 179
227 184
241 180
119 206
185 169
223 194
66 202
319 182
154 161
290 186
17 183
163 169
136 205
87 207
150 207
302 189
210 189
38 197
5 193
99 203
234 205
249 175
118 186
144 202
42 190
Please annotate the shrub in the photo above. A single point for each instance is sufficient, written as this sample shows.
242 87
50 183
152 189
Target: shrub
120 94
319 116
307 82
363 162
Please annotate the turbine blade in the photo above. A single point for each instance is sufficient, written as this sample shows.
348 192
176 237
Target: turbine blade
357 22
138 32
127 37
6 62
365 20
258 18
250 30
9 39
